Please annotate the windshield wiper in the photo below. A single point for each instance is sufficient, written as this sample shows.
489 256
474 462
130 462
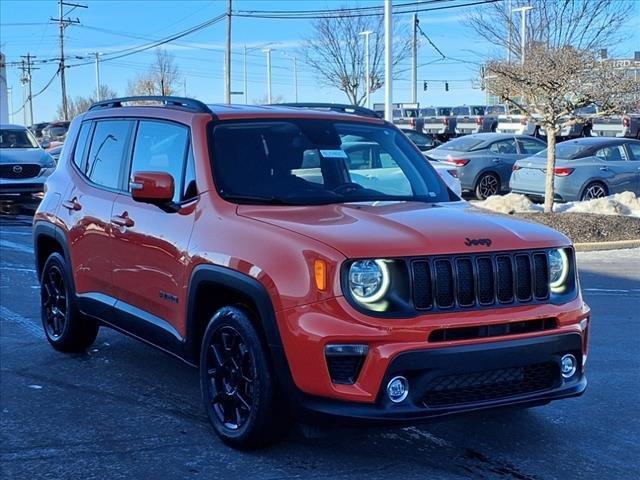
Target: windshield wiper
255 199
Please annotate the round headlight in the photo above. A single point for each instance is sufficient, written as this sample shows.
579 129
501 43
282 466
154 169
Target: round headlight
368 280
558 268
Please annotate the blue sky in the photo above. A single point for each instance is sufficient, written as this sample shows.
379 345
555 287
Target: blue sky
200 56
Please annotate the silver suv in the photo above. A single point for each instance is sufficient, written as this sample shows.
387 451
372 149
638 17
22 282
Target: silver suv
24 165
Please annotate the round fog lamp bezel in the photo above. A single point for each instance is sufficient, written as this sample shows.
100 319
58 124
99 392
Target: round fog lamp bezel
570 373
404 395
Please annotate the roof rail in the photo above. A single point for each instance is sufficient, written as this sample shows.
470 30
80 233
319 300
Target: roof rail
187 103
335 107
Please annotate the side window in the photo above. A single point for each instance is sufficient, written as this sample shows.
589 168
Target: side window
108 149
504 146
635 151
530 147
161 147
612 154
190 188
82 144
359 158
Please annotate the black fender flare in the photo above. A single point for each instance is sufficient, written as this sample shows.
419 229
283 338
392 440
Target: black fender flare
257 293
55 233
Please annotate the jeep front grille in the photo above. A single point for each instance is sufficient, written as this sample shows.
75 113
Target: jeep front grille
480 280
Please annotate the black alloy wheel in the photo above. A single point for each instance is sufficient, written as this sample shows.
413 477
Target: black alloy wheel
55 302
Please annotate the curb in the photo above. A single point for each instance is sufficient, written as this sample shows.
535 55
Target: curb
593 246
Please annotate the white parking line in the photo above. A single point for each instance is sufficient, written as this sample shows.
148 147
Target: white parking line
29 325
17 269
15 232
15 246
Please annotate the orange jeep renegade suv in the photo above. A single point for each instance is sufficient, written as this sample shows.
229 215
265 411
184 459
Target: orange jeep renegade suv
311 263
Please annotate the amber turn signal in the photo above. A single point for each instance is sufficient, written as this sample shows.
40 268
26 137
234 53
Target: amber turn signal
320 271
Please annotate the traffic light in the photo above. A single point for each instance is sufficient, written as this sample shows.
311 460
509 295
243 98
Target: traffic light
446 86
424 86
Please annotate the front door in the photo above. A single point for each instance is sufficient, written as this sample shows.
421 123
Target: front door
149 249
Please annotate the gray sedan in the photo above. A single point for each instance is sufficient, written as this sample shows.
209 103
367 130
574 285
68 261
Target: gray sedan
484 160
586 168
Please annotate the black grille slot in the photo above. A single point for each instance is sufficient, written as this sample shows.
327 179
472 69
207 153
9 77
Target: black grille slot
505 279
541 275
495 330
444 283
18 170
523 277
486 280
422 291
466 288
490 385
344 369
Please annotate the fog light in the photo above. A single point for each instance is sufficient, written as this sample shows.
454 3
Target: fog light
568 365
398 389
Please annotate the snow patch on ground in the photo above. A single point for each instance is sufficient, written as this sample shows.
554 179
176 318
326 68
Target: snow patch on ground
626 203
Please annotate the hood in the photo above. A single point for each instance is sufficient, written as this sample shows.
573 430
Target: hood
23 155
395 229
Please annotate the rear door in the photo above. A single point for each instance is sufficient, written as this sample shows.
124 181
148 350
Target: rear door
634 158
616 168
503 155
149 243
98 168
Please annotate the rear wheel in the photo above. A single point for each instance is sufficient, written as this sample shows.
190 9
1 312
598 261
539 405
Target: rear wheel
594 190
488 184
238 386
66 329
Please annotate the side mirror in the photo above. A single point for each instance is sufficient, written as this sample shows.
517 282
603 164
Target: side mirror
45 144
152 187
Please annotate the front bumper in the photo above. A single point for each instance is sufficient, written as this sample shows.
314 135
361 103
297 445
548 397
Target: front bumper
25 185
466 367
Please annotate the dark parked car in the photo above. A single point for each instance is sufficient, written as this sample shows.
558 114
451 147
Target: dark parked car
484 160
423 141
586 168
55 131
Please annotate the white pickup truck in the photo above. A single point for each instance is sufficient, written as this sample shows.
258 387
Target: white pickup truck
476 119
617 126
517 123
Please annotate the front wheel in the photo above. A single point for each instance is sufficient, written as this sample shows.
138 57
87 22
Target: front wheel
65 327
487 185
238 385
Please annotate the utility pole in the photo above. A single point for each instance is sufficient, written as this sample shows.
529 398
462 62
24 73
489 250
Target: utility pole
62 24
523 30
388 62
510 16
244 71
227 78
10 104
268 52
367 72
295 75
26 81
414 60
97 55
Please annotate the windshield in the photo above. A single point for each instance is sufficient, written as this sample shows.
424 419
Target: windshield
428 112
444 111
565 150
462 144
499 109
307 162
17 138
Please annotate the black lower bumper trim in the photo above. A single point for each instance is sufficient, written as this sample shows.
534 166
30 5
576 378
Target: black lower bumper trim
515 373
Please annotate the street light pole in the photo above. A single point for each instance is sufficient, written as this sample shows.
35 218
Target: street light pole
268 52
414 60
227 60
367 72
97 76
388 66
523 29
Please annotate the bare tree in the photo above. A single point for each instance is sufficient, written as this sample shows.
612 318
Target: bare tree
264 100
554 84
335 51
163 77
582 24
78 105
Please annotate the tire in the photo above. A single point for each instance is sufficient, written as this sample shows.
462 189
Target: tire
238 386
66 329
488 184
594 190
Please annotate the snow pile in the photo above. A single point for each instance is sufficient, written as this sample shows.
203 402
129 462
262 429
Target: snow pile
625 204
509 203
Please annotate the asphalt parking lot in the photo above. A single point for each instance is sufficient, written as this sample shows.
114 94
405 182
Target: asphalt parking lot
125 410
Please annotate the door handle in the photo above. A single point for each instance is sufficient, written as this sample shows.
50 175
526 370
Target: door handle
72 205
604 169
122 220
495 160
